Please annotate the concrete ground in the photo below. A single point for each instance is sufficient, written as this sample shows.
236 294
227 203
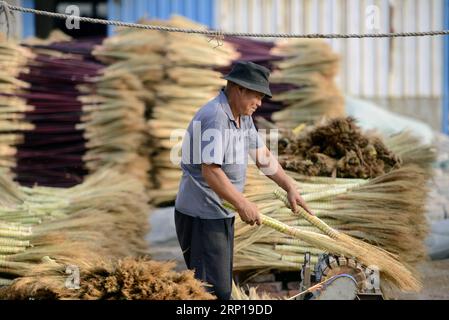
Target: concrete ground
435 277
162 237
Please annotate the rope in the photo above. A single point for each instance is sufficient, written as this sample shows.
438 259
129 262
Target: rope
5 7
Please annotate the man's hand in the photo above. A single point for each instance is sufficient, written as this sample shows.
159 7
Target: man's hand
249 212
295 199
220 183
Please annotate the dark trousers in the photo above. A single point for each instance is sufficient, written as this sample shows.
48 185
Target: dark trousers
207 246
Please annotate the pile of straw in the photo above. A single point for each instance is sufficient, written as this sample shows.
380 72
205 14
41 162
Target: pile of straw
13 61
336 148
114 124
135 60
106 215
309 65
124 279
45 146
411 150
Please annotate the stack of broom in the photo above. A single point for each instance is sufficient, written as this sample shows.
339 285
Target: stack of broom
310 66
51 153
67 115
100 212
189 83
13 61
113 120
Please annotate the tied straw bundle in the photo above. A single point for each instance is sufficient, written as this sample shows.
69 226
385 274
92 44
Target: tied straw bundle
96 215
13 125
78 122
309 65
51 154
387 211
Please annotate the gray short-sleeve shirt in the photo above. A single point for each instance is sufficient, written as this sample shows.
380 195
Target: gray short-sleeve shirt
213 137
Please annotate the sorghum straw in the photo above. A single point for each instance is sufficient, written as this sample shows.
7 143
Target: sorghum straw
124 279
103 218
336 148
251 293
13 61
388 265
310 65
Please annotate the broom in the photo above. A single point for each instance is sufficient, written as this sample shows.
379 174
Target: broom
386 211
364 252
338 243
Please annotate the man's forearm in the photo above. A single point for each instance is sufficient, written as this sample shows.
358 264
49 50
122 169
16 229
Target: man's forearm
220 184
270 166
281 178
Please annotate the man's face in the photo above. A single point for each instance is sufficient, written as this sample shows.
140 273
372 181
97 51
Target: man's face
249 101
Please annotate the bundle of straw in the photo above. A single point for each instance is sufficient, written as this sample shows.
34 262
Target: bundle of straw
13 61
92 227
387 211
46 147
52 153
309 65
111 102
333 241
106 216
114 124
412 150
81 115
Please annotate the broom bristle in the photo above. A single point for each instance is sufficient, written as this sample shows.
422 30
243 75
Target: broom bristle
365 253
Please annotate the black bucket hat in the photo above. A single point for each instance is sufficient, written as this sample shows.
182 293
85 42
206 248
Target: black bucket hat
251 76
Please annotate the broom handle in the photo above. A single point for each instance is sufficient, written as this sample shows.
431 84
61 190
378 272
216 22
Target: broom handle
274 224
315 221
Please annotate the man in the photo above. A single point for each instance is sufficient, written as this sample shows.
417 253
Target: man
214 159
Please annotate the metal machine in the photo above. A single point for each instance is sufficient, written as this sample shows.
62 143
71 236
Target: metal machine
338 278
